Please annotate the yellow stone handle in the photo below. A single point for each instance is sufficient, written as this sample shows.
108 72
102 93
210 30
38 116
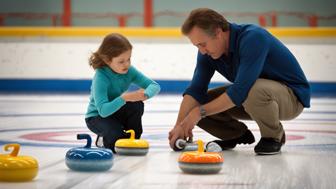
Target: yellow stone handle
16 148
200 146
132 134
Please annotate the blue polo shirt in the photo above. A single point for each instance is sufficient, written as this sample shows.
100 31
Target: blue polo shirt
253 53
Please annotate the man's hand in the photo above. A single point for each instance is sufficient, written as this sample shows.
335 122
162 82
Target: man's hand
187 105
184 129
190 121
176 133
138 95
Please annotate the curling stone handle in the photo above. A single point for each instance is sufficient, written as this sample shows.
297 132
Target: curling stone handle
87 137
180 144
16 148
200 146
132 134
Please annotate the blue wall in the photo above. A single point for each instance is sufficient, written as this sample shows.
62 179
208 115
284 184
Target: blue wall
319 89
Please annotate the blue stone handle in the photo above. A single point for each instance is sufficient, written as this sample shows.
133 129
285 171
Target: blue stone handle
87 137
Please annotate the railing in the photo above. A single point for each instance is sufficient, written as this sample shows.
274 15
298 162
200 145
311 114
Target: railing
264 18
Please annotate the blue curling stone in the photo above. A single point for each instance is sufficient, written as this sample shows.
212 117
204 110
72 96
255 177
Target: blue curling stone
87 158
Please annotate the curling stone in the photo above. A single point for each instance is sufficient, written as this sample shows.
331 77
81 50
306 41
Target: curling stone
185 145
200 162
131 146
14 168
87 158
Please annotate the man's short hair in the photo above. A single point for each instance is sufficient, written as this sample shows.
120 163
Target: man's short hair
205 19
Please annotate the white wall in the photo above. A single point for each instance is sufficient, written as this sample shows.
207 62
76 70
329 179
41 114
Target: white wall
68 59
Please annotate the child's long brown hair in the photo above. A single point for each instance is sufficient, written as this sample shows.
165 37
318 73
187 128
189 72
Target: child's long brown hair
112 46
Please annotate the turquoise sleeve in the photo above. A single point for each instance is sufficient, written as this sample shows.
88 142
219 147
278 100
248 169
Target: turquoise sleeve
151 87
103 105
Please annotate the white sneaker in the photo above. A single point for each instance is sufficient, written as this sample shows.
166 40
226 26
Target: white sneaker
99 142
213 147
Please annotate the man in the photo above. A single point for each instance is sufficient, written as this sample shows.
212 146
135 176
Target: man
268 84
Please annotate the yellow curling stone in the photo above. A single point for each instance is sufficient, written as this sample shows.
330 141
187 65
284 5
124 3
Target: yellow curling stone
131 146
14 168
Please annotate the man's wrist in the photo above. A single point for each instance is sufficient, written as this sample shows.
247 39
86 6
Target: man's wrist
203 113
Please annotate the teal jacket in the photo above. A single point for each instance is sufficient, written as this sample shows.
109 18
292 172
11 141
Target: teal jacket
108 86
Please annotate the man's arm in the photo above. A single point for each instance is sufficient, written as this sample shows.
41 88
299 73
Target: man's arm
193 96
187 104
219 104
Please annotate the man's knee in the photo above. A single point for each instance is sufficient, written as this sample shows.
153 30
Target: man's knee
259 93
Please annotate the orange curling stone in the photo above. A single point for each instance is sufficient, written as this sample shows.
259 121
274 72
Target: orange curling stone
14 168
200 162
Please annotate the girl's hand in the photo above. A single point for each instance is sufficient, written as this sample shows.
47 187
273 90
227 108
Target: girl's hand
138 95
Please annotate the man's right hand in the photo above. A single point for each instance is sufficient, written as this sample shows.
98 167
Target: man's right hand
176 133
187 104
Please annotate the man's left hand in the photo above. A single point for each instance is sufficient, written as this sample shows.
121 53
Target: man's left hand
190 121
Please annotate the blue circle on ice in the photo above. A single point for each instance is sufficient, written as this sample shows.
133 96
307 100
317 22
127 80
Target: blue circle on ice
87 158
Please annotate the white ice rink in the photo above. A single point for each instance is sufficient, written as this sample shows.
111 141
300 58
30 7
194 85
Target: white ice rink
46 127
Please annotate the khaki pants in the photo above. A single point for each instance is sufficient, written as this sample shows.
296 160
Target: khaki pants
267 103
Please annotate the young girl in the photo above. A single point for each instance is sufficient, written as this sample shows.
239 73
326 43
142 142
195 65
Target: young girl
112 109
